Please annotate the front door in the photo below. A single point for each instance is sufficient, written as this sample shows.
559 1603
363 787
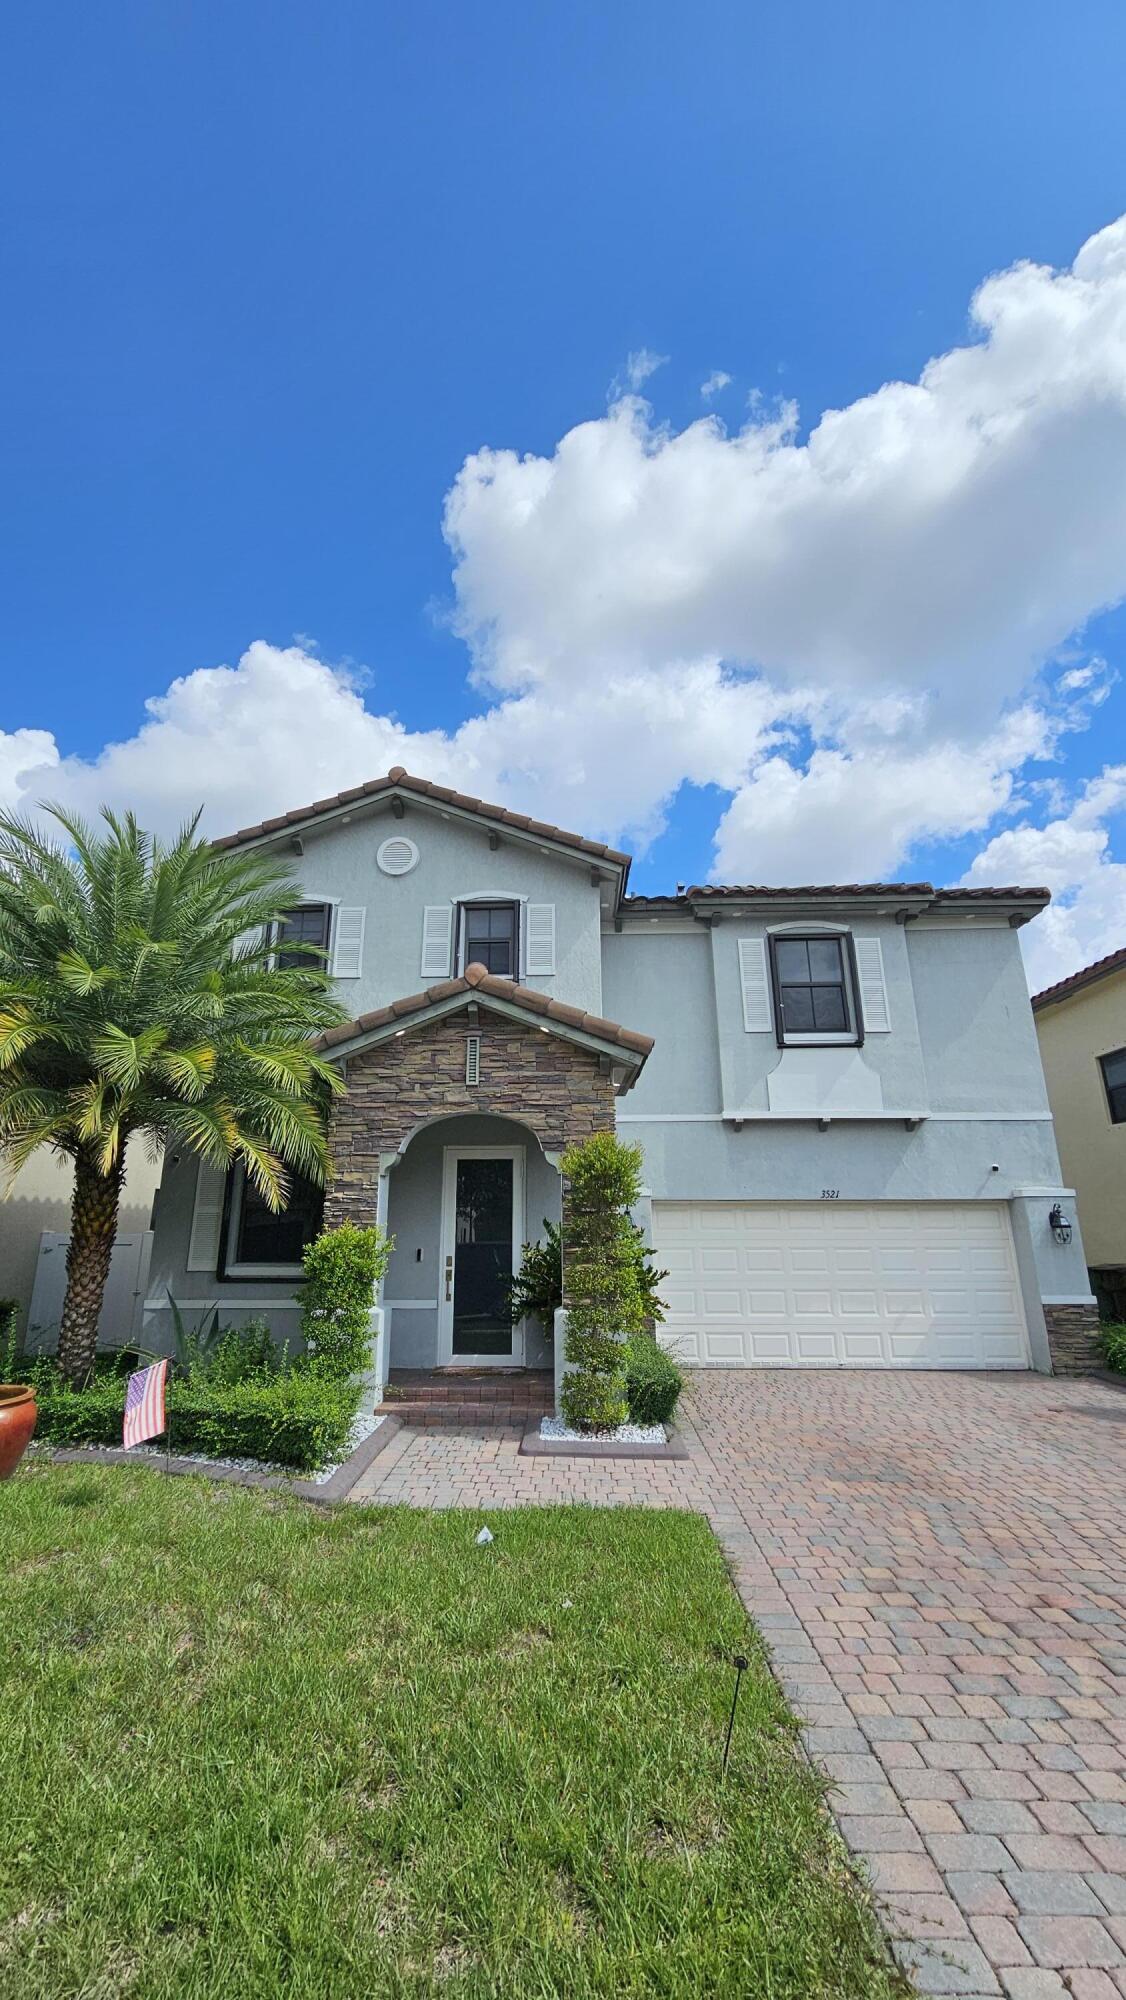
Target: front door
483 1213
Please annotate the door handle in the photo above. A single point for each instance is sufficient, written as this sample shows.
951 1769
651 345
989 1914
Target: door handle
449 1279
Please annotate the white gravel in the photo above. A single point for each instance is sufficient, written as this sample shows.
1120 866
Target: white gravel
361 1429
554 1427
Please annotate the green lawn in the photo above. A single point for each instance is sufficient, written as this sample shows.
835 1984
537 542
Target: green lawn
253 1748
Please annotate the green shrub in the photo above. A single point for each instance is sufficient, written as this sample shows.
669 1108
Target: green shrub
1113 1340
9 1313
300 1419
244 1354
653 1381
604 1299
342 1269
92 1415
536 1290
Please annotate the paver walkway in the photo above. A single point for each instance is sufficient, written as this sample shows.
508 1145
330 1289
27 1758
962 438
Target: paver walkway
938 1563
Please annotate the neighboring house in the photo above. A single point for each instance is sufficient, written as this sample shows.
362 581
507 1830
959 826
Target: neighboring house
1081 1023
849 1154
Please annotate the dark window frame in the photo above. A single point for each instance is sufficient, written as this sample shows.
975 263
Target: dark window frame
232 1268
298 960
850 1037
1111 1091
464 956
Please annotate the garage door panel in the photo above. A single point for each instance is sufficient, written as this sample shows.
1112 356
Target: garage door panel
722 1304
773 1347
716 1261
864 1304
938 1284
860 1348
767 1305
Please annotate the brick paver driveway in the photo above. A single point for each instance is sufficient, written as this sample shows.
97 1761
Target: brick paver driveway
938 1564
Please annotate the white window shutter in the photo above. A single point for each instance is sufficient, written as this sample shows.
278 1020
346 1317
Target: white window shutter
437 923
539 947
207 1218
754 980
348 944
873 987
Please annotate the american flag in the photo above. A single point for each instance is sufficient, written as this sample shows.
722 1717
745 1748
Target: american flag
144 1404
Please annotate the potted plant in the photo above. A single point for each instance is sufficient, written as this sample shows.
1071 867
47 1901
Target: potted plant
17 1422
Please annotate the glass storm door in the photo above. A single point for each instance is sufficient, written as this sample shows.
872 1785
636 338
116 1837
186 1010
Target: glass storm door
482 1256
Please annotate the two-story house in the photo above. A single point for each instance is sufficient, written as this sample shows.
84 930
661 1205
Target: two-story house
848 1150
1081 1024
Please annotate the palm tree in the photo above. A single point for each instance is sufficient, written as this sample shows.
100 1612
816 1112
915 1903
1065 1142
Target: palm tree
138 993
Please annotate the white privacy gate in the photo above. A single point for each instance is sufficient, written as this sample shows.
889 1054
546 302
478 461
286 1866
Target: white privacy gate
120 1323
846 1284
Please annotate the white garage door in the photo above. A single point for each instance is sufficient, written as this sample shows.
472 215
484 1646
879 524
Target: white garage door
822 1284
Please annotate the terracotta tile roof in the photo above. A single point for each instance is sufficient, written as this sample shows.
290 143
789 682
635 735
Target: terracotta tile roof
713 891
477 981
1115 961
399 780
1012 894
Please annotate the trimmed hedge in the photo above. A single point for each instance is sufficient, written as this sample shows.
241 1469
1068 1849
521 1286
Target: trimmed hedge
653 1381
301 1419
1113 1339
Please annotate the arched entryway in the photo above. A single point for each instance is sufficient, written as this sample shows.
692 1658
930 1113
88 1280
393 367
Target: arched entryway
463 1196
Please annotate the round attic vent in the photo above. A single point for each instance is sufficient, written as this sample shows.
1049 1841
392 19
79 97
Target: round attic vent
397 856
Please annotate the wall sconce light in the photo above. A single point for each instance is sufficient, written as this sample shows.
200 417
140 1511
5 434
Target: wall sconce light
1059 1224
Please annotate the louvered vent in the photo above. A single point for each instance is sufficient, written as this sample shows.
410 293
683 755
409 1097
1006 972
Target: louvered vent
397 856
473 1059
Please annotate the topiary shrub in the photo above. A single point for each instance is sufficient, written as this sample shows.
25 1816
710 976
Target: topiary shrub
653 1381
342 1269
603 1293
537 1287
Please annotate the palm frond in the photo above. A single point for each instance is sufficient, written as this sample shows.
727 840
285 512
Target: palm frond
80 976
124 1058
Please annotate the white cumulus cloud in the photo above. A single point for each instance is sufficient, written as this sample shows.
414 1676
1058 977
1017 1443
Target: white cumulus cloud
866 634
1070 855
717 381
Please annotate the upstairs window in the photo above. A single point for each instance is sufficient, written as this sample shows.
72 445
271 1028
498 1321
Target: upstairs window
258 1243
1114 1083
490 936
307 925
813 989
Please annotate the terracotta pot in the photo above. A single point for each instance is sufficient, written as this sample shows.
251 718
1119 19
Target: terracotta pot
17 1421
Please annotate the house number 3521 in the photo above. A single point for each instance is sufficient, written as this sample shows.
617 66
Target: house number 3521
830 1194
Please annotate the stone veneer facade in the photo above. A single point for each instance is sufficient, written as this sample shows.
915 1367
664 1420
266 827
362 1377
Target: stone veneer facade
560 1090
1073 1339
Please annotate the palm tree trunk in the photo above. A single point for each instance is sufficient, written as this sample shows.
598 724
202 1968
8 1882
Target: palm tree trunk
93 1230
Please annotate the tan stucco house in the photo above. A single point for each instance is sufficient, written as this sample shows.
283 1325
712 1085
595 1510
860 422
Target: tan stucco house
1081 1023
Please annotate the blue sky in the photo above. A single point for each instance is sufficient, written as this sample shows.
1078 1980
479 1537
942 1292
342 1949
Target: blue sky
274 274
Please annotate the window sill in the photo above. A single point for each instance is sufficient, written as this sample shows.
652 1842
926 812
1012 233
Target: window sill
820 1042
281 1274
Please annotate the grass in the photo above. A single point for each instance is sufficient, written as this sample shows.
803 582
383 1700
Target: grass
251 1746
